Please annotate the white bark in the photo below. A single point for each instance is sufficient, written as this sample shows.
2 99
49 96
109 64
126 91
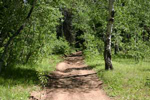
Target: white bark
107 52
110 23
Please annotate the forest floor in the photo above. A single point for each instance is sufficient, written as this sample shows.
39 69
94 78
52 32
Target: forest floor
72 80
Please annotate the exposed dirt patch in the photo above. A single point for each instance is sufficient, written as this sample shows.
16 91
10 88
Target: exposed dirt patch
72 80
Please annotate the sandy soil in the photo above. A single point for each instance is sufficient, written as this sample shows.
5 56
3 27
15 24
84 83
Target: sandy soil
72 80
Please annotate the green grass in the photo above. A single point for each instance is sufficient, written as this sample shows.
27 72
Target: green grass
16 82
128 80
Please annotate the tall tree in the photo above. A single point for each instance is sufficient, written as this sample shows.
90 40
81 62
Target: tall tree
15 35
107 51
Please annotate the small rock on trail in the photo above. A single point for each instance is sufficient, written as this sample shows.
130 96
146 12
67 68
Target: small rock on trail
72 80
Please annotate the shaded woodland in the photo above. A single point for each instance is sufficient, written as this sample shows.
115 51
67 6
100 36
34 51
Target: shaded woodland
32 30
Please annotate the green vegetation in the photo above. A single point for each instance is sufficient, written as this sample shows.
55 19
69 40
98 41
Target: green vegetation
16 82
34 33
129 80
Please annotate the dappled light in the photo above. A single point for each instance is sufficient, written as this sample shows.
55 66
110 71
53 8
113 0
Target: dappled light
75 78
74 50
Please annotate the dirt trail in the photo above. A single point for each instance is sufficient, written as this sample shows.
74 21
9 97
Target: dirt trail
72 80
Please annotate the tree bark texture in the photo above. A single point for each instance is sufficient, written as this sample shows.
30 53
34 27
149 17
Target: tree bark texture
107 51
66 26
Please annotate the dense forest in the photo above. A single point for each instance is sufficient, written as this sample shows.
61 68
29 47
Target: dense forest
106 31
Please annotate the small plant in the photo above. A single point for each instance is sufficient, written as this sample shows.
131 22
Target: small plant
42 78
61 46
147 82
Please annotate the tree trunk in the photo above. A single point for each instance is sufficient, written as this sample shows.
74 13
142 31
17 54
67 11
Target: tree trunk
107 51
116 49
28 57
65 29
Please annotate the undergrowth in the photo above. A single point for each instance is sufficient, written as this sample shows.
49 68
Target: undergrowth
16 82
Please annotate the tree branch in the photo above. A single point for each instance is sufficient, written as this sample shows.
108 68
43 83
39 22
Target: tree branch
17 33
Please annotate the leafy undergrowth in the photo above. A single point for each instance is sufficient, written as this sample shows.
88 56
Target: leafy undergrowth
16 82
128 80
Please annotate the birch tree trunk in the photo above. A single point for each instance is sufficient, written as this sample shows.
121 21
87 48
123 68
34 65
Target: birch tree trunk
107 51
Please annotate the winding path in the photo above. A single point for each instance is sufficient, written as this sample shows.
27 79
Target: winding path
72 80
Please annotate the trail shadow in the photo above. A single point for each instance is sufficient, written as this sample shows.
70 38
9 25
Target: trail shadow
75 84
90 67
145 70
14 76
74 59
101 71
122 56
94 65
82 68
